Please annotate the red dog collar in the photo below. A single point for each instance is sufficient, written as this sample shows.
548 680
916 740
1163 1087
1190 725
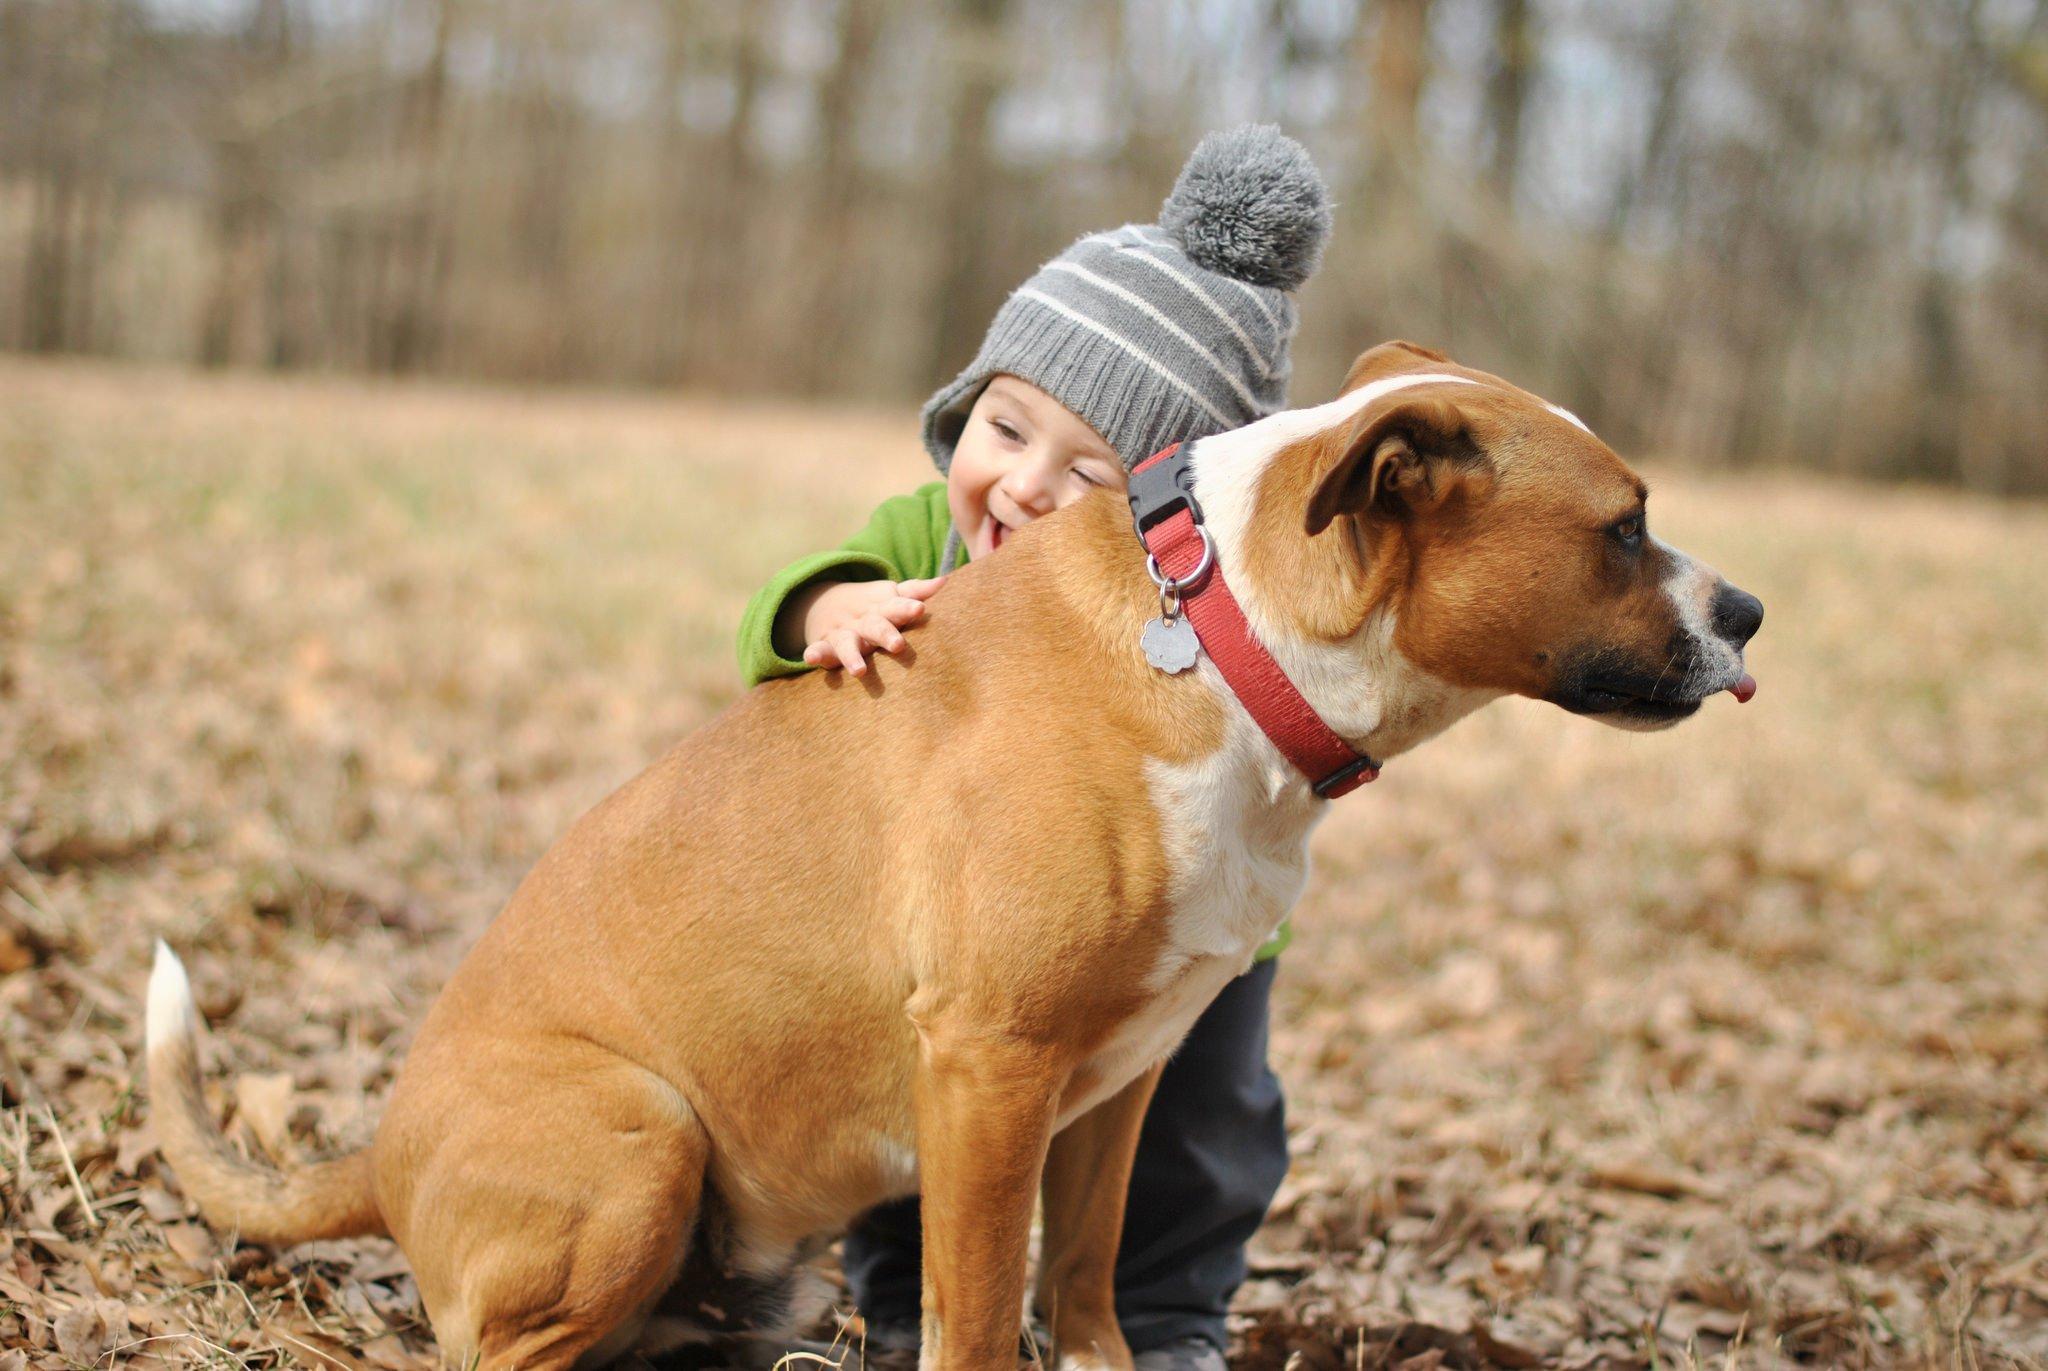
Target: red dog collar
1169 524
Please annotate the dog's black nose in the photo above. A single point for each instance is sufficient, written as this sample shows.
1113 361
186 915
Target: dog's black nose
1737 614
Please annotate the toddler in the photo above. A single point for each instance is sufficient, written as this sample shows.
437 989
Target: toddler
1126 342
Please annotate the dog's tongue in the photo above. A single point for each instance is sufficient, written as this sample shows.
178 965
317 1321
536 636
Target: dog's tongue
1743 688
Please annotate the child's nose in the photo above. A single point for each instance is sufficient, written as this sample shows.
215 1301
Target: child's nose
1031 489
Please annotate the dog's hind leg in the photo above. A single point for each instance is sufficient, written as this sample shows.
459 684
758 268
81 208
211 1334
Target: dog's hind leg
553 1215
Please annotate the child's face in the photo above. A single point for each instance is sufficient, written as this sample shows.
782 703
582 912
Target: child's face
1022 454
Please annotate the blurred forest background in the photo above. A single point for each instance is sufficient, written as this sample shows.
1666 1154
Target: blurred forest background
1751 232
1717 1048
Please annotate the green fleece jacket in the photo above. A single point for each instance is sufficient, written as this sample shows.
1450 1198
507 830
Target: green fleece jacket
904 541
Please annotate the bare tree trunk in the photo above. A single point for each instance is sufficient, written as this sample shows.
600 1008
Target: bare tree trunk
1151 139
678 214
409 322
95 214
95 190
835 203
1507 93
235 328
721 326
546 208
49 176
70 113
966 296
1674 49
1612 371
1400 65
49 258
237 325
1938 334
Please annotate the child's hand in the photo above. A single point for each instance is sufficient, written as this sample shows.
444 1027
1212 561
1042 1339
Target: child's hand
846 620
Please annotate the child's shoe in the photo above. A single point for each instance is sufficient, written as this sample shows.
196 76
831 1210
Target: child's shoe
1194 1353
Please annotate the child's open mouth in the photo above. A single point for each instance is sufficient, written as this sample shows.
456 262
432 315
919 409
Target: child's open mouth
997 531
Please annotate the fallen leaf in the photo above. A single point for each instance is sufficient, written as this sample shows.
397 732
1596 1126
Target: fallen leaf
264 1102
1644 1178
15 955
315 1347
389 1353
1511 1346
137 1145
161 1204
87 1330
1426 1361
192 1243
1685 1321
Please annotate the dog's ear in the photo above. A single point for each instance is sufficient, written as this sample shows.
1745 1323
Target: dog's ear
1397 460
1389 359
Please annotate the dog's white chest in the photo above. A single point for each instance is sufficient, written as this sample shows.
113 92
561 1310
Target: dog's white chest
1235 826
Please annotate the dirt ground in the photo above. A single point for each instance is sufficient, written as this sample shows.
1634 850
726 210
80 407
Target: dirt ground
1726 1046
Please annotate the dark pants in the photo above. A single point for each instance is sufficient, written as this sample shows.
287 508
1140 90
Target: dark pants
1210 1157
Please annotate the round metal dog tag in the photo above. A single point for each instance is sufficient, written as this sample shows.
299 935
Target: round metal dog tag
1170 645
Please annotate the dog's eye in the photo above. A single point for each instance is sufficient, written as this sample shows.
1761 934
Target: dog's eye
1629 531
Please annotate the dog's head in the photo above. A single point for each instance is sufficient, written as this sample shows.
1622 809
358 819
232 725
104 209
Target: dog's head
1456 538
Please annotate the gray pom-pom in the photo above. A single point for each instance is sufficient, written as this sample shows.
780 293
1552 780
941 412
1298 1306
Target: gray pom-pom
1250 204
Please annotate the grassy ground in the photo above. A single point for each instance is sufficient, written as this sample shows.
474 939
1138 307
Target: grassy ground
1723 1046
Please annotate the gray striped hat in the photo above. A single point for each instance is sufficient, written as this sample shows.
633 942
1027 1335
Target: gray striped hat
1157 333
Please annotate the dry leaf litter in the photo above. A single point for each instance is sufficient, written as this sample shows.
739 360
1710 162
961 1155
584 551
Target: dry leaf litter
1722 1047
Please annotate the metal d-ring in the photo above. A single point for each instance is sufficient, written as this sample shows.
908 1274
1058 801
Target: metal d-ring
1177 584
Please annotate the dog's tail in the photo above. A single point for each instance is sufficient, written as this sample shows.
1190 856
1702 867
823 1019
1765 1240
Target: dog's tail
331 1199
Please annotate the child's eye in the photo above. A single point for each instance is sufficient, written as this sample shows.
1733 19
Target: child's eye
1087 477
1008 432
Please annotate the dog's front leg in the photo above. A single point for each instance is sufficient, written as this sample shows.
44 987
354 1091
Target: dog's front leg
1087 1175
985 1103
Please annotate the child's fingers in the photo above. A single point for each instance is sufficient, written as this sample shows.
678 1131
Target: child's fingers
881 633
918 590
852 651
901 612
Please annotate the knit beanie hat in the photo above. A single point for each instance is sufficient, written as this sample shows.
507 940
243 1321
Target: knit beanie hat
1156 333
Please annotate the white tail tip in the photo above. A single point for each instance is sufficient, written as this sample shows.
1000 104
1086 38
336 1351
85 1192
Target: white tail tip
171 1015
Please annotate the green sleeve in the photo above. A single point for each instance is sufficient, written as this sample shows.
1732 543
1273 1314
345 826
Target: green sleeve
1276 944
902 542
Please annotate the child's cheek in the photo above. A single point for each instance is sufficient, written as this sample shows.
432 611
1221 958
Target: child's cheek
968 504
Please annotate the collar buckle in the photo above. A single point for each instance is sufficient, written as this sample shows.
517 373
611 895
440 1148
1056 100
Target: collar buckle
1347 778
1161 487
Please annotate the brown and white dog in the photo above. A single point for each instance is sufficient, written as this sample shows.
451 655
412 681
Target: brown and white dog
934 929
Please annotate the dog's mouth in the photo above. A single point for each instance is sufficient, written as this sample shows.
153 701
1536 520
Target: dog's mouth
1636 699
1604 700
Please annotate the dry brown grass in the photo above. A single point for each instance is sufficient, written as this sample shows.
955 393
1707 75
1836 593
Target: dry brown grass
1727 1046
